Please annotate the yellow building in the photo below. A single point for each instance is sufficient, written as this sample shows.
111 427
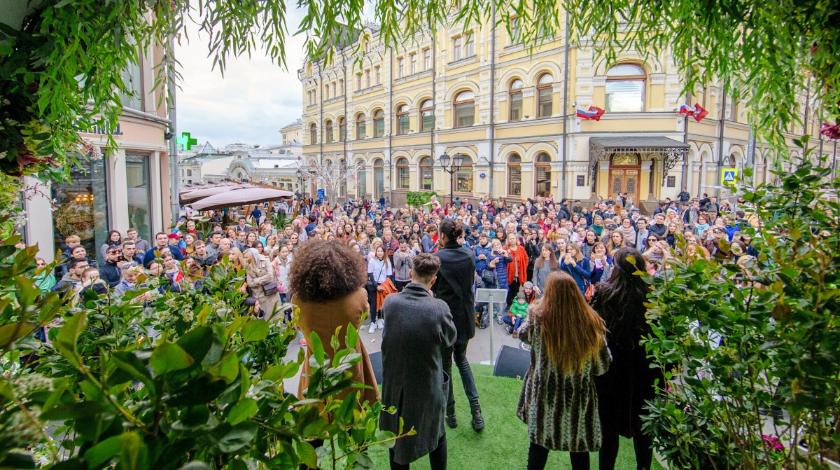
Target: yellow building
391 113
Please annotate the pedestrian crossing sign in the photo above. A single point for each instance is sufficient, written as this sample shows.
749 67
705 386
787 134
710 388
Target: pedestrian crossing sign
728 176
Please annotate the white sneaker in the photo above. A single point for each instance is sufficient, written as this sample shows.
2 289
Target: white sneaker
372 328
380 324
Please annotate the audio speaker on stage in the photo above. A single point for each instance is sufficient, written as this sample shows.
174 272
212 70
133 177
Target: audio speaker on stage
376 362
512 362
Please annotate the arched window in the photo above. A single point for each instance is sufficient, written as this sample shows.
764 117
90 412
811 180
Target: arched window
361 180
427 116
378 123
464 104
515 92
328 131
313 133
545 95
426 175
378 178
402 173
402 119
542 165
464 177
514 175
342 129
626 88
361 126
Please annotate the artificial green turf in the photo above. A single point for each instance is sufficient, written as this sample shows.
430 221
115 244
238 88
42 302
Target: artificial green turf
503 444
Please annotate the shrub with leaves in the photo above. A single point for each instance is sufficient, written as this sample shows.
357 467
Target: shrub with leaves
183 380
750 348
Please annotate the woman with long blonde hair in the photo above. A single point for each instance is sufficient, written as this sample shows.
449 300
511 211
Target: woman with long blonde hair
558 401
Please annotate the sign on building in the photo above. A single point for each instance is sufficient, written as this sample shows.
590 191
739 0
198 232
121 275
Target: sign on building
728 176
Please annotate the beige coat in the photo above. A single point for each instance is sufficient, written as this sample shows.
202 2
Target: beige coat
324 318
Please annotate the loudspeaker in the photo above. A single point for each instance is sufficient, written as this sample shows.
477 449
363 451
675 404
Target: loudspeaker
512 362
376 362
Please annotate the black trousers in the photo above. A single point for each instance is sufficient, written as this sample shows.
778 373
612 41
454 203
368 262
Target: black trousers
437 458
372 302
538 456
459 352
513 289
400 285
642 445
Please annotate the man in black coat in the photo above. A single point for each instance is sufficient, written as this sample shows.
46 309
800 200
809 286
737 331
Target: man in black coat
454 286
419 334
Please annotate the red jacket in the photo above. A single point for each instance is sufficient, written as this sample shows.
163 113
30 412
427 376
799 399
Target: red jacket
519 259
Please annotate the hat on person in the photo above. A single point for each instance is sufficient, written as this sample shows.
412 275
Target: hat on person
528 286
520 295
174 236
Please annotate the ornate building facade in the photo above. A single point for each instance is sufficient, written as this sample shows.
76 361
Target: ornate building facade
510 113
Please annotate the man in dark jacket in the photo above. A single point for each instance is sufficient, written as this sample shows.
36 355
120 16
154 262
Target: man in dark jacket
419 335
110 271
454 286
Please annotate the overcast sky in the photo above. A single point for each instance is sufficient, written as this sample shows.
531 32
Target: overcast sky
250 104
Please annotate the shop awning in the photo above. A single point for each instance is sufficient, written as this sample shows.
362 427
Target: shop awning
668 150
636 144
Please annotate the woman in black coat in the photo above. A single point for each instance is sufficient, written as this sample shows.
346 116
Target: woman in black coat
629 382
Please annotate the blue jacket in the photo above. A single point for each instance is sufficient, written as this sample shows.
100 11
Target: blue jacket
501 271
481 265
151 255
580 272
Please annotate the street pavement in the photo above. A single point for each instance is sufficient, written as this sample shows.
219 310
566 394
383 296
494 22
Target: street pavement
478 351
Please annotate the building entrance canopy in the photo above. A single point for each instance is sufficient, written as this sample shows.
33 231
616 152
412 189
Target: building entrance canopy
670 151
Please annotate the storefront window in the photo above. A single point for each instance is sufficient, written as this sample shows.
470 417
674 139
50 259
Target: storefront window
139 195
82 207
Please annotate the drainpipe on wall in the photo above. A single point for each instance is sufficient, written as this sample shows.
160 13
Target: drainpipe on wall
173 141
492 99
720 139
434 113
684 177
347 163
565 115
390 126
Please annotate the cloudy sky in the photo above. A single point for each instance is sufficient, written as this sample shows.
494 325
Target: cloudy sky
250 104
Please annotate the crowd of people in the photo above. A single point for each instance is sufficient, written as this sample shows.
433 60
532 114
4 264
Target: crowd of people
568 269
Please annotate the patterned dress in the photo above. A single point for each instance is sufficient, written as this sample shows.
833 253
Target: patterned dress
561 410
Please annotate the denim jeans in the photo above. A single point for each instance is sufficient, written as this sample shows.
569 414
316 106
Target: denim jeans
459 352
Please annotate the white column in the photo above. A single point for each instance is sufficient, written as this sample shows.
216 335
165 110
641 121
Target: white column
117 191
39 217
155 189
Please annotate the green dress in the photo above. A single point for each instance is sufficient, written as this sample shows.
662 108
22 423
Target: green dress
561 410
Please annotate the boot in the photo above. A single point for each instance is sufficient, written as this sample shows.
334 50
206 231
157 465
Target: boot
451 419
477 420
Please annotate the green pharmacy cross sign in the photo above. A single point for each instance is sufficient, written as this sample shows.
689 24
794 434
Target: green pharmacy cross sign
186 141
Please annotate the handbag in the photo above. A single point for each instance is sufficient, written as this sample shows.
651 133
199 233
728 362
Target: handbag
269 288
589 292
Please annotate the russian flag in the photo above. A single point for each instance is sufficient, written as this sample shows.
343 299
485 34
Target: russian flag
591 113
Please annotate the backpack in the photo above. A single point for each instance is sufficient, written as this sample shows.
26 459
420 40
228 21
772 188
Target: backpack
482 317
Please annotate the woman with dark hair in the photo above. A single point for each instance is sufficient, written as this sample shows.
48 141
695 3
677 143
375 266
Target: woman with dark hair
329 298
114 239
558 401
622 391
454 286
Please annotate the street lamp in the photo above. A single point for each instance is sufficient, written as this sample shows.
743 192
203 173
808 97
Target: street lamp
451 165
300 181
